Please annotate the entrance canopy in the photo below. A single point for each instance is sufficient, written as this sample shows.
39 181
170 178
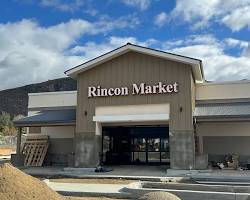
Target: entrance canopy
149 113
132 113
48 118
131 118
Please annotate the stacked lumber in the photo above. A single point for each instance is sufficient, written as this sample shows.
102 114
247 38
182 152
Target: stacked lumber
35 149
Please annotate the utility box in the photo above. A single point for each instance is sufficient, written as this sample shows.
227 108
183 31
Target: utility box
17 160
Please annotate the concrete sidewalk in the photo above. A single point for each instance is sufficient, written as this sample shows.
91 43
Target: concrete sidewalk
146 173
152 173
135 190
212 175
223 176
93 190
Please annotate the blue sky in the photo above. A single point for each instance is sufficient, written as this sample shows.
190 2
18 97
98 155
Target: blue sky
40 39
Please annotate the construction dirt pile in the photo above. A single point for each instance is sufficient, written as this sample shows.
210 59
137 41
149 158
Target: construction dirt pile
16 185
159 196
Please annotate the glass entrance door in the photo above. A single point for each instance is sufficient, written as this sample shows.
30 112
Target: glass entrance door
116 146
154 153
139 153
150 150
135 145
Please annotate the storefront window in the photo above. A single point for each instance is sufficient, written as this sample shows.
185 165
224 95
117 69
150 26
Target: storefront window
139 144
153 157
107 145
154 144
165 157
164 144
140 157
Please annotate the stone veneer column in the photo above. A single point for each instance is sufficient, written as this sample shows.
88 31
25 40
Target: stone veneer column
87 149
182 150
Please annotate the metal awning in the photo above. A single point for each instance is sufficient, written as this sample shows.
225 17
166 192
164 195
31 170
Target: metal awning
48 117
223 110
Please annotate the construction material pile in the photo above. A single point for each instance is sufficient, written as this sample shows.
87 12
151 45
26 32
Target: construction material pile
16 185
159 196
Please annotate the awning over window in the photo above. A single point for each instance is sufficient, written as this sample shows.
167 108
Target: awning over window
223 110
49 117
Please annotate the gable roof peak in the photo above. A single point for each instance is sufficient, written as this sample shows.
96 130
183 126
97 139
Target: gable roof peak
196 64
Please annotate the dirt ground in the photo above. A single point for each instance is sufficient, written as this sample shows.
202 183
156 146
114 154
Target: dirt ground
98 181
6 151
16 185
90 198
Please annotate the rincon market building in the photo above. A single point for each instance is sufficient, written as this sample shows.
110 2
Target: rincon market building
141 106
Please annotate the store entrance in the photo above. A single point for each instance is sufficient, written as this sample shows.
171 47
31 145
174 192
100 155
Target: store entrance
135 145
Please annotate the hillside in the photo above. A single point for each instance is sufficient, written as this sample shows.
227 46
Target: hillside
15 101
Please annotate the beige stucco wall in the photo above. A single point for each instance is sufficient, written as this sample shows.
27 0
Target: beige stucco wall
224 90
34 130
39 101
225 137
227 145
52 99
223 129
58 131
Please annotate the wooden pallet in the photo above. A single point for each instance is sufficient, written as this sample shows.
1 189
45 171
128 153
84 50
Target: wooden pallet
35 149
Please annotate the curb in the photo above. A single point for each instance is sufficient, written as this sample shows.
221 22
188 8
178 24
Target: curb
121 195
136 190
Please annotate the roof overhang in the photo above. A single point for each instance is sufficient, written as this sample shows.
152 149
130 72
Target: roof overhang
48 118
196 64
236 111
223 119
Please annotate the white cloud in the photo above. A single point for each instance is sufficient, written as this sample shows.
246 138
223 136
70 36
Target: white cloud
238 18
91 11
71 6
161 19
32 53
92 49
108 23
141 4
231 42
234 14
191 40
218 65
192 9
